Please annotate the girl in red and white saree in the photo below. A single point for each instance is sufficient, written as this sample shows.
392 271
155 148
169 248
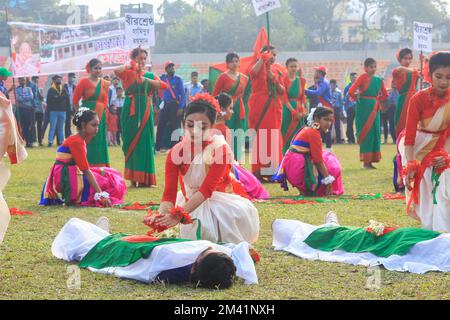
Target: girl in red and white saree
12 144
425 149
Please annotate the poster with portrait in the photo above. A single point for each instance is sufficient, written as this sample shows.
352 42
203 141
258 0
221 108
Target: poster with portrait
39 49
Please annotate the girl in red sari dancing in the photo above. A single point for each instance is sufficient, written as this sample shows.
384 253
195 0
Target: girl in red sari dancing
426 147
265 113
405 80
234 83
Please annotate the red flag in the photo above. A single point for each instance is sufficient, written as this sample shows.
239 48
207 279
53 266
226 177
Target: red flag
261 41
246 62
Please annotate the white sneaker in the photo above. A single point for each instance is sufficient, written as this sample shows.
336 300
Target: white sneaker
328 149
331 218
103 223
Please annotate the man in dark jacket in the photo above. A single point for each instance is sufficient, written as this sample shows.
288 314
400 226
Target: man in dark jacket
58 103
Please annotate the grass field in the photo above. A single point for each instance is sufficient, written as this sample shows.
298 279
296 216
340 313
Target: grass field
29 271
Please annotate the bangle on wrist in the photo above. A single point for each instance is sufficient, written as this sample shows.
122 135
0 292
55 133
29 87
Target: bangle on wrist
183 216
411 167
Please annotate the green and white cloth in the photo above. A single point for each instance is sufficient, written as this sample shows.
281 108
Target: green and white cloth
100 252
405 249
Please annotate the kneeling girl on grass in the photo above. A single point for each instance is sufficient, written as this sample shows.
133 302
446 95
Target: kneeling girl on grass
306 166
201 163
72 181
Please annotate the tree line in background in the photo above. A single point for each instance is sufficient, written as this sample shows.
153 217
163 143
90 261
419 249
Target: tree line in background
222 25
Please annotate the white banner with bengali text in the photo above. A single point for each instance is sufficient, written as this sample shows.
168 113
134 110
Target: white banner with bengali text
139 30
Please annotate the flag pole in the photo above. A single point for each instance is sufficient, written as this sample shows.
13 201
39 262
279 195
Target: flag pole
268 27
421 69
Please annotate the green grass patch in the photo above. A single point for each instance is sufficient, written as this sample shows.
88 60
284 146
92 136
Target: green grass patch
29 271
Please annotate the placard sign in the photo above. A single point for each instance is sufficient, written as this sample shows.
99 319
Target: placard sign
423 37
139 30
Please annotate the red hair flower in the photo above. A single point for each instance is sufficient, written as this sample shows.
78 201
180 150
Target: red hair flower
210 100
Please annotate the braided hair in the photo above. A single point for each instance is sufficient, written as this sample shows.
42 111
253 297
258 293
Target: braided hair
224 100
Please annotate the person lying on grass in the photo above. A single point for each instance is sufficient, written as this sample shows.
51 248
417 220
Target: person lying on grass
412 250
149 259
